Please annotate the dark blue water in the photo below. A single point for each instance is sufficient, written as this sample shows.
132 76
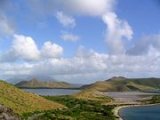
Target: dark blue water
52 92
141 113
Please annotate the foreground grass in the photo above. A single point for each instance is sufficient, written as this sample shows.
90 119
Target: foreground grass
77 110
21 102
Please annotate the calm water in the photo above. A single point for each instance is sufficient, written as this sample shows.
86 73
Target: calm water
52 92
141 113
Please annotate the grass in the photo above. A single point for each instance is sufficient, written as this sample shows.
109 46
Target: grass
21 102
78 109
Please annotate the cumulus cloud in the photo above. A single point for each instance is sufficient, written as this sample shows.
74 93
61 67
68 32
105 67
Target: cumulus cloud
69 37
51 50
66 21
24 48
117 31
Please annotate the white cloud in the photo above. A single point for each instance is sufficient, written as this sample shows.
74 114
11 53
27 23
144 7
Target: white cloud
51 50
24 48
117 30
66 21
69 37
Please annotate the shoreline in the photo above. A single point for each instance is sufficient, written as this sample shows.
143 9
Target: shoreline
117 109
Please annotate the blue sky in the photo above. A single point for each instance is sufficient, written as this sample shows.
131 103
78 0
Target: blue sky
79 41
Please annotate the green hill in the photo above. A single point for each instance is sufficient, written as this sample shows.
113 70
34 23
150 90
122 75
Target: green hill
34 83
22 102
120 84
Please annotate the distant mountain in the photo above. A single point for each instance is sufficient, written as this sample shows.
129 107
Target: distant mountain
22 102
34 83
120 84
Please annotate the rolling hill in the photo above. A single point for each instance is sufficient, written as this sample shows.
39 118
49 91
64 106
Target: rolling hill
22 102
34 83
120 84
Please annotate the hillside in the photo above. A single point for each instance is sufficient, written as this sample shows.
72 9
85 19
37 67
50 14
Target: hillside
120 84
93 95
22 102
34 83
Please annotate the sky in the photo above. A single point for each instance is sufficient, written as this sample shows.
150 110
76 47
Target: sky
79 41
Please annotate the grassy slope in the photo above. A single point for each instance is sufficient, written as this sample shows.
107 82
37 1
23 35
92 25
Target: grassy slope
22 102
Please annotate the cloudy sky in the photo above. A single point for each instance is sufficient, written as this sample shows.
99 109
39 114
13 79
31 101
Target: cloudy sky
79 41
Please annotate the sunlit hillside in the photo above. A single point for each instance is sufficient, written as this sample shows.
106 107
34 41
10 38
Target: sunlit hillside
22 102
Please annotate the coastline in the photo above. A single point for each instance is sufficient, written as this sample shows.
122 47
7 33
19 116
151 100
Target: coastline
116 112
118 108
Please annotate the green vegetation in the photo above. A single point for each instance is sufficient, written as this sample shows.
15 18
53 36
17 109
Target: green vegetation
21 102
77 110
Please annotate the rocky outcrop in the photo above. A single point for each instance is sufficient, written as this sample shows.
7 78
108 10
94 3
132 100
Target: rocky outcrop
7 114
